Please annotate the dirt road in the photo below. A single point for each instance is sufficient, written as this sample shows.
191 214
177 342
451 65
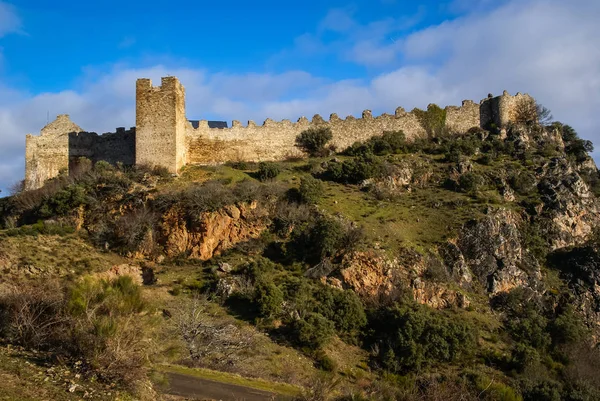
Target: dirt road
196 388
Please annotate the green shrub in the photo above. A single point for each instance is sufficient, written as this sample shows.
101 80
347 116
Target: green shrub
541 390
313 141
98 322
412 336
268 298
314 331
575 147
354 171
524 183
63 202
567 327
42 228
322 238
311 190
531 328
390 142
268 171
470 182
344 309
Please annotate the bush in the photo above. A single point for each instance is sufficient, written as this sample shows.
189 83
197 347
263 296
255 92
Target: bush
412 336
267 171
96 321
63 202
311 190
354 171
470 182
344 309
530 327
322 238
524 183
575 147
393 142
313 141
268 298
314 331
326 363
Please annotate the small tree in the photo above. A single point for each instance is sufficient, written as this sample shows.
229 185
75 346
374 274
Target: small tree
544 115
268 171
313 141
310 190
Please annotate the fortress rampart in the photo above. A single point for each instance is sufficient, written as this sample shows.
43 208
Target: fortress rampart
163 136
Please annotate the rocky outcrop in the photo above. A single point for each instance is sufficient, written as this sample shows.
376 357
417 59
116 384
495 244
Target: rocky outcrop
212 232
492 249
380 280
402 177
571 209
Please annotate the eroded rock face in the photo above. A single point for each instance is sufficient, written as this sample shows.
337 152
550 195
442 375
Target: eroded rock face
403 177
568 204
133 271
378 279
492 249
214 232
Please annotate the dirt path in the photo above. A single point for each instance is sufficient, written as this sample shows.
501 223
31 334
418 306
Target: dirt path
196 388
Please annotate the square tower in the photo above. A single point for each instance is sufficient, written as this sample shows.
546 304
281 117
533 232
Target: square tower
160 124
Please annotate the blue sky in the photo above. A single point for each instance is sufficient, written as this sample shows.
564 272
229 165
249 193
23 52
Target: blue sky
256 60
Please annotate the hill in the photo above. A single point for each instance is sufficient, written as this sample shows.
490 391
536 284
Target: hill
453 267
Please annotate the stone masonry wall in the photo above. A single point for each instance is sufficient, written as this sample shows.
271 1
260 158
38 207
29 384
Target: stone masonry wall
46 155
275 140
62 142
161 124
114 147
164 137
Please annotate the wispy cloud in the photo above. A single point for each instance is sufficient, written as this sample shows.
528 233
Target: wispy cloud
10 22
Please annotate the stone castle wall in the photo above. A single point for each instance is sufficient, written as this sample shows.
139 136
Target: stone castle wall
62 142
163 136
276 140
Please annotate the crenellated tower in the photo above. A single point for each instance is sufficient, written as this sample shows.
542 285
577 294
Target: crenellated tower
161 124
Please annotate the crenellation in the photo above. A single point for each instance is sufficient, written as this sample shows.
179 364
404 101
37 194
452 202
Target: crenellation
164 137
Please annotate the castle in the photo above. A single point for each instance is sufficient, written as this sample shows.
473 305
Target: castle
164 137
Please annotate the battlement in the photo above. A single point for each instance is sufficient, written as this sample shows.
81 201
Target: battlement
163 136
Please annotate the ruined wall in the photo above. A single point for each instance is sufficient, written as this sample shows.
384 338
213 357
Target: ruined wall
46 155
115 147
275 140
461 119
164 137
161 124
504 109
62 142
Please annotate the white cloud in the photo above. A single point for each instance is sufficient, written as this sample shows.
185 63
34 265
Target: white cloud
546 48
9 19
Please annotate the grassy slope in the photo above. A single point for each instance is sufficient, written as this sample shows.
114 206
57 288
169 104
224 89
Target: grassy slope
419 219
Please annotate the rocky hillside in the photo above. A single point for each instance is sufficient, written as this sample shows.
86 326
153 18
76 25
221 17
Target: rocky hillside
463 266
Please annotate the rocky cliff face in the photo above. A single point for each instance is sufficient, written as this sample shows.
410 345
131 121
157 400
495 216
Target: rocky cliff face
570 208
380 280
213 232
493 251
